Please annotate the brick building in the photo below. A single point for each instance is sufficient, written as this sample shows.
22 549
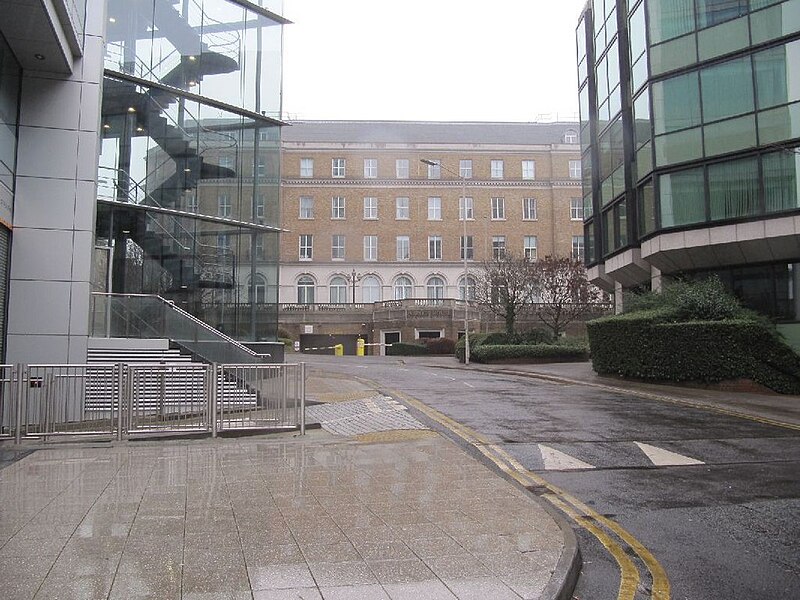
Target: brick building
370 227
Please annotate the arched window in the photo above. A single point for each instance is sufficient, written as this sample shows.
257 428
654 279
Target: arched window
403 288
305 290
257 289
571 136
338 290
469 293
370 289
435 288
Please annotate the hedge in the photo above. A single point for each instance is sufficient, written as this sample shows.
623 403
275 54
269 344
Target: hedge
642 345
530 352
401 349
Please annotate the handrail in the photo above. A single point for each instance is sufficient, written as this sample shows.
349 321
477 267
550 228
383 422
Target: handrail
240 348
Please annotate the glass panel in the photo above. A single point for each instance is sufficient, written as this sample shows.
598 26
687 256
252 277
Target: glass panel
711 12
779 124
591 256
679 147
607 189
580 35
601 74
588 209
673 55
781 181
621 217
670 18
730 135
647 209
644 160
676 103
641 118
609 237
682 198
639 73
773 75
219 49
10 76
775 22
637 33
612 61
723 39
727 89
733 189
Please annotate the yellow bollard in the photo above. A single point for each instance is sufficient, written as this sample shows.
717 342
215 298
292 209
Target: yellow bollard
338 350
360 347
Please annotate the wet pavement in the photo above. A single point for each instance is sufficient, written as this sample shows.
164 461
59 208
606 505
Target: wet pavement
389 511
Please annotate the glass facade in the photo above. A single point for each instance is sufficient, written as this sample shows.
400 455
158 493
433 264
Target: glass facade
189 167
707 127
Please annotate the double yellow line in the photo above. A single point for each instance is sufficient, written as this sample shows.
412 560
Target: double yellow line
619 542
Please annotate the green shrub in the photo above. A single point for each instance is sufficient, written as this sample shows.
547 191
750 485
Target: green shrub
647 345
475 340
439 345
530 352
402 349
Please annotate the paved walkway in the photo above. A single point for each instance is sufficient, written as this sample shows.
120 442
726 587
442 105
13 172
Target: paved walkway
391 511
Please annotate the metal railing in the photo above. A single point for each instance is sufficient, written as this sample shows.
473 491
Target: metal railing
119 400
147 316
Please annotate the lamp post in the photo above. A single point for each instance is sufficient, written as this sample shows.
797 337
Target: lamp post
463 179
354 277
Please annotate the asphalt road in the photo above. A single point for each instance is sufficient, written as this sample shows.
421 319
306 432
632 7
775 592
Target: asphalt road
719 510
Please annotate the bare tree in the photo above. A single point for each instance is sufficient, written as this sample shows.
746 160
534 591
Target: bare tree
564 292
505 286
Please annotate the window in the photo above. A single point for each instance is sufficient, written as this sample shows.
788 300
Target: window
337 246
259 245
529 247
465 168
306 246
225 161
370 208
676 103
403 247
712 12
529 209
261 167
338 290
257 289
498 247
571 137
435 170
306 167
337 207
223 241
733 189
337 167
498 209
577 247
306 207
576 209
466 292
370 289
434 247
434 209
370 247
191 203
682 197
223 205
465 203
402 209
727 89
305 290
670 19
529 169
261 202
469 248
575 169
401 168
435 288
497 169
403 288
370 168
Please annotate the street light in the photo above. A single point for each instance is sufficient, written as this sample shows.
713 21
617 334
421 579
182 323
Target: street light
463 179
354 277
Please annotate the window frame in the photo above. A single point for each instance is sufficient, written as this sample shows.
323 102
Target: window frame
434 208
527 247
435 247
466 203
465 168
338 250
401 168
576 209
499 247
528 169
338 168
496 168
530 207
370 168
337 208
498 208
370 248
575 170
305 171
370 208
309 209
398 207
306 250
403 242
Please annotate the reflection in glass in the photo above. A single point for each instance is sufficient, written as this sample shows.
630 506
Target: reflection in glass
681 198
733 189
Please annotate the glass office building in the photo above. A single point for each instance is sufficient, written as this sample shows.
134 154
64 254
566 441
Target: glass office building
690 128
189 169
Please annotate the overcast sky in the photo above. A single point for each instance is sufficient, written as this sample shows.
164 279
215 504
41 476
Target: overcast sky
448 60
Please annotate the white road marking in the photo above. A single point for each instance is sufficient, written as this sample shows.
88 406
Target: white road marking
468 384
664 458
555 460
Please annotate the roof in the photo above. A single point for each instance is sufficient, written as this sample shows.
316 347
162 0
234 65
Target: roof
426 132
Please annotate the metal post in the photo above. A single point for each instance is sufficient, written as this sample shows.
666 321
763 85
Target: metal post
214 391
466 274
20 368
120 397
302 398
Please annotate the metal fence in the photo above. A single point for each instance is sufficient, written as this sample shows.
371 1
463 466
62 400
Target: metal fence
118 400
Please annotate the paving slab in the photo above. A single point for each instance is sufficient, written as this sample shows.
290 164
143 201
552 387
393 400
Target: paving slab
366 513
